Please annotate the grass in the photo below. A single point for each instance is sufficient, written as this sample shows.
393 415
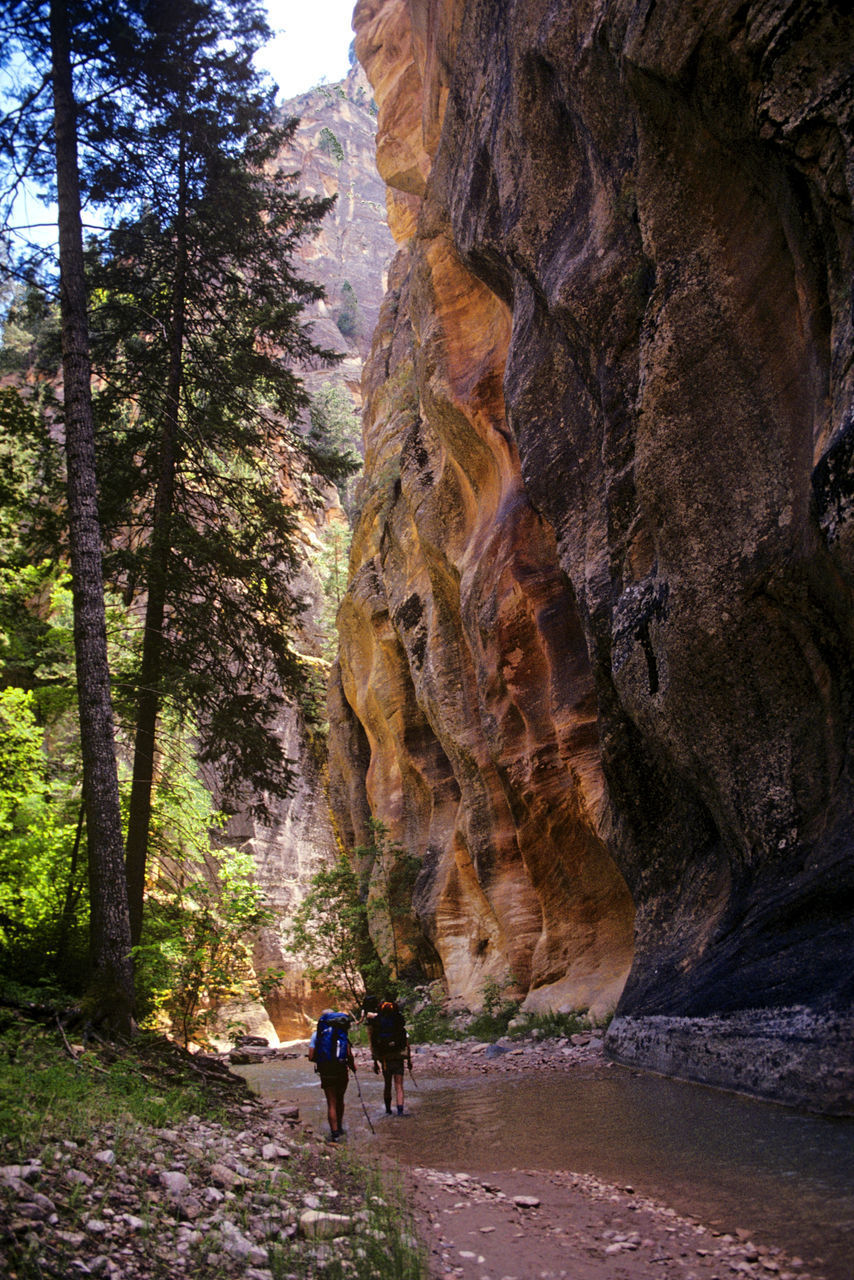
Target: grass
385 1246
44 1094
552 1025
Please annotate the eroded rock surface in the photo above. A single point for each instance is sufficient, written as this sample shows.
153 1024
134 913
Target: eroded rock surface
332 150
597 646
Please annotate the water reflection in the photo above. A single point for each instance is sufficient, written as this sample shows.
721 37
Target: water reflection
728 1160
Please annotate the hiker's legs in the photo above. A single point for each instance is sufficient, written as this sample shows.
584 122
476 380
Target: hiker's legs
334 1089
393 1072
331 1091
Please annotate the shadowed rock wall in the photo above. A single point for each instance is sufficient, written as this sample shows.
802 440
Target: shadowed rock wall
598 638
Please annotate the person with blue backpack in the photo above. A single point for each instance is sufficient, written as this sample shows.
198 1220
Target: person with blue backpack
330 1051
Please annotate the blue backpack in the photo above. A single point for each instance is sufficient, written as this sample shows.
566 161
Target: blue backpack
331 1044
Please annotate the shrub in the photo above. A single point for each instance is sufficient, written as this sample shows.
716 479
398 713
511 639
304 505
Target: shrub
330 146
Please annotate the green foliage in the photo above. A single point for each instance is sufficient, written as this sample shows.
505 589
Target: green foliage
393 873
43 1093
497 1011
31 490
329 934
31 338
336 428
552 1025
195 949
348 317
331 563
202 905
239 468
41 874
329 144
427 1023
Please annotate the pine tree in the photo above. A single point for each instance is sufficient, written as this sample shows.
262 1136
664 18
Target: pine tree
195 328
50 44
198 335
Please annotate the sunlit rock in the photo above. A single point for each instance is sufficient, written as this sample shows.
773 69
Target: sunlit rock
598 638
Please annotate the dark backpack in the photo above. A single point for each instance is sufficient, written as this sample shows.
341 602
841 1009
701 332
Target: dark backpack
331 1044
390 1033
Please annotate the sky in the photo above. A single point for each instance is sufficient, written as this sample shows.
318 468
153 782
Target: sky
314 44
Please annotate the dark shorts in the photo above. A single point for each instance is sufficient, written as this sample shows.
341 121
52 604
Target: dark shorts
392 1066
334 1078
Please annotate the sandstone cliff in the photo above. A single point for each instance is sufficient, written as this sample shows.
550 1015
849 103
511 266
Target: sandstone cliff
596 653
333 151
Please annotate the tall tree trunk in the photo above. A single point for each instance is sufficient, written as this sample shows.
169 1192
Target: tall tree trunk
151 669
112 986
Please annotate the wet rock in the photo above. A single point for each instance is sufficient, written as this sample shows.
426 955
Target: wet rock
496 1051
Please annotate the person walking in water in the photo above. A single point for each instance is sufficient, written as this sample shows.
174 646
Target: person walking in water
332 1055
389 1048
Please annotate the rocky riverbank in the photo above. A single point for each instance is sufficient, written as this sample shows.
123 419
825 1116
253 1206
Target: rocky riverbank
461 1057
523 1224
254 1198
240 1191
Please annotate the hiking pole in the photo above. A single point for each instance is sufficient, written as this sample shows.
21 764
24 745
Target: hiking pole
362 1100
411 1076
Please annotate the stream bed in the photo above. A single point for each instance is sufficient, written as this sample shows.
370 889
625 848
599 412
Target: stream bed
731 1162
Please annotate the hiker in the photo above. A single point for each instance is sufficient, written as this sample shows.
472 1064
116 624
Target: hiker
389 1047
330 1051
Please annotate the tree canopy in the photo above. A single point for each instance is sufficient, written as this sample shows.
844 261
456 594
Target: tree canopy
189 456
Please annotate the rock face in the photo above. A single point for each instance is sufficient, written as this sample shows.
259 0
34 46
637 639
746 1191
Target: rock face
596 653
333 151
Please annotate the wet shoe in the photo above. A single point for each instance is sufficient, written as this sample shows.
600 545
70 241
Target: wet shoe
400 1111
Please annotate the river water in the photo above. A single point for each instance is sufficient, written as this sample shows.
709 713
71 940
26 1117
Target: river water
729 1161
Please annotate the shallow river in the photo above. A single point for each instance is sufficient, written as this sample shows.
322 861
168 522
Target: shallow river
729 1161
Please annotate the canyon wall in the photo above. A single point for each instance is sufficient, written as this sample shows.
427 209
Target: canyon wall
333 153
595 662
